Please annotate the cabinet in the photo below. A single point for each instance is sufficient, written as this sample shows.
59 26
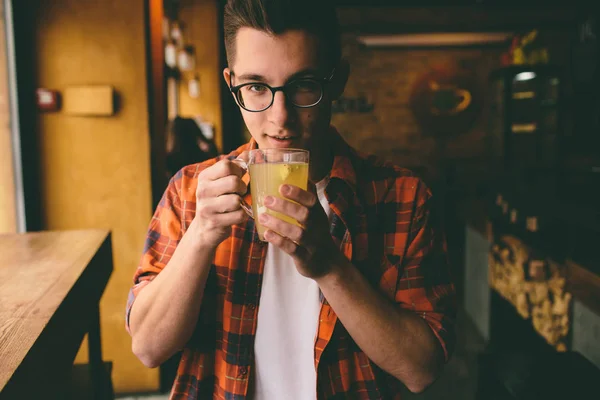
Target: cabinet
525 142
525 119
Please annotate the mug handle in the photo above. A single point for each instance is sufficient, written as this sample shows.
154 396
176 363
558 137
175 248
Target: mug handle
245 206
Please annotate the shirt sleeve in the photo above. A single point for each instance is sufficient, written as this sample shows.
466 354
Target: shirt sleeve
419 260
163 236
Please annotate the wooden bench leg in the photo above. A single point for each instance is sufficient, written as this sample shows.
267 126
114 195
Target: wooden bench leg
101 380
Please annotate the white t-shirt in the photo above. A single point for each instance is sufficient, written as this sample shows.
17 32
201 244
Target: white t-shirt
288 318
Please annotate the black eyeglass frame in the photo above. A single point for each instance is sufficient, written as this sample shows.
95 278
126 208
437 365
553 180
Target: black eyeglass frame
323 82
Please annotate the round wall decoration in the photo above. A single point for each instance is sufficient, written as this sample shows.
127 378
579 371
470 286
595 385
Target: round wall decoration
446 101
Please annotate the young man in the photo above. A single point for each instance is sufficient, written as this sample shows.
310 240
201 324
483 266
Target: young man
354 302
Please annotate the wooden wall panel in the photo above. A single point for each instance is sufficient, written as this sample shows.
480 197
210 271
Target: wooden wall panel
96 170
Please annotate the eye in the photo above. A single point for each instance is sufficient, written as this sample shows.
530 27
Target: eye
305 86
256 88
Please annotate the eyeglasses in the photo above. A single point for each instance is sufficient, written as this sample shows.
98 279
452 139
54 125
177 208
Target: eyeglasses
302 93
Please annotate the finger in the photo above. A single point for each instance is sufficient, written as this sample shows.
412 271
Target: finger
227 219
290 231
294 210
283 243
298 195
221 169
225 185
218 205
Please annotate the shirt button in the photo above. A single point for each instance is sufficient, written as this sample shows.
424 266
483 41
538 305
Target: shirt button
243 371
252 306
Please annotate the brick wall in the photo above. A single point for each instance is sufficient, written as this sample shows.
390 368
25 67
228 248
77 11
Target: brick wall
385 78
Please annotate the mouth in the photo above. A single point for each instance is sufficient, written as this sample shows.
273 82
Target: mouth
285 140
283 137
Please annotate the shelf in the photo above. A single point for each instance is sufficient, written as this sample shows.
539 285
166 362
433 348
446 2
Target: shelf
523 128
524 95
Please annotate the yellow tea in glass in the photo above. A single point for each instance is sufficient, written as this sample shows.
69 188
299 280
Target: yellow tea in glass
269 169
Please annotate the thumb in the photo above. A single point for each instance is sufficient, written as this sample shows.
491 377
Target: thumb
242 162
244 156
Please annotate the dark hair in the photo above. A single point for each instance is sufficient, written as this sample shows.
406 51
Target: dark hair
278 16
186 144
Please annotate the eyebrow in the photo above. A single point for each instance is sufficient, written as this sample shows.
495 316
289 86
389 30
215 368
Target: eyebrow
260 78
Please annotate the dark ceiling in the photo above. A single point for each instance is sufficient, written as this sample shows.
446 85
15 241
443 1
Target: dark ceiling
441 3
458 3
397 16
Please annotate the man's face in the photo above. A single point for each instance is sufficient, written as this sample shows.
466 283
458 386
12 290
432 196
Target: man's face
276 60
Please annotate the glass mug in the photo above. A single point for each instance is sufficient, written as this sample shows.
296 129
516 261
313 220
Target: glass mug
269 169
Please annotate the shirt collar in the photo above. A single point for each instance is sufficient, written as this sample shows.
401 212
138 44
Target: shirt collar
343 155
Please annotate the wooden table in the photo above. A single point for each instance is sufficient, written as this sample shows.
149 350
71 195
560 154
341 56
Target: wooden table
50 287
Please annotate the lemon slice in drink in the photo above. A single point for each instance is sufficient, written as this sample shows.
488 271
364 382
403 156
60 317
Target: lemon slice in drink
285 171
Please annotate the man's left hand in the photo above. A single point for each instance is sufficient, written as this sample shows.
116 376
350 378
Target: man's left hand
310 244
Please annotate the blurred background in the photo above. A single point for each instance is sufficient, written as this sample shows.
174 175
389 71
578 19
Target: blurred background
495 104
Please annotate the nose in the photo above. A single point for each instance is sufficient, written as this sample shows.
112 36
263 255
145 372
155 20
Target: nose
280 112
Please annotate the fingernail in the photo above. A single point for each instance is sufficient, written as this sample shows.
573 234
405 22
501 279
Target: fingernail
286 189
262 218
268 200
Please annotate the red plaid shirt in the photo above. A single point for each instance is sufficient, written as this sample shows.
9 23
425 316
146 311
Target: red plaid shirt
383 222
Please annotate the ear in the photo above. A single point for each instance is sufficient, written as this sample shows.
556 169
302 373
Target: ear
227 77
338 83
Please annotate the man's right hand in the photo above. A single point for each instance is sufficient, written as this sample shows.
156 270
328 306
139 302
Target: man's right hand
218 202
157 331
